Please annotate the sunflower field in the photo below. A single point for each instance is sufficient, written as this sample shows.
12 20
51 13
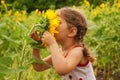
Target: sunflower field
103 39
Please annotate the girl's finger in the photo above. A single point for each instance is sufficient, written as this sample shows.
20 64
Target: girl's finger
35 32
35 36
32 35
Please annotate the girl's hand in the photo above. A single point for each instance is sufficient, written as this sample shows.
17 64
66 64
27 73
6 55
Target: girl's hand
48 38
34 36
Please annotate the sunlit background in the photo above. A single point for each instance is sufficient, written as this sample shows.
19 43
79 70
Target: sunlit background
18 16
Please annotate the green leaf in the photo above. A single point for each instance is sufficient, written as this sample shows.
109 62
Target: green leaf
35 60
2 76
22 26
9 39
5 61
20 69
4 70
2 24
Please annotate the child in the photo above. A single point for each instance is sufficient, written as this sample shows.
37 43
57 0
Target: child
72 61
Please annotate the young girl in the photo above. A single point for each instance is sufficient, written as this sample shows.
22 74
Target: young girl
73 60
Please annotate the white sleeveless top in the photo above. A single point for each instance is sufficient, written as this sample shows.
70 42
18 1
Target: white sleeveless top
81 72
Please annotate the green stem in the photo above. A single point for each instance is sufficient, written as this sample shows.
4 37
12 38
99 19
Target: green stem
33 28
30 30
22 58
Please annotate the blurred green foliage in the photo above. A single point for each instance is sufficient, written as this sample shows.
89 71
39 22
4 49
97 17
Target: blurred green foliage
103 39
31 5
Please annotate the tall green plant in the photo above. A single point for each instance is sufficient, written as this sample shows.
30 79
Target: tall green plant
104 39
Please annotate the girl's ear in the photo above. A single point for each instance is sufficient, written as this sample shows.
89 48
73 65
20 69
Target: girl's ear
73 32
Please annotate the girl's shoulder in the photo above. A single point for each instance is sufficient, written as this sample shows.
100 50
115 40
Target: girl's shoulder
76 48
76 51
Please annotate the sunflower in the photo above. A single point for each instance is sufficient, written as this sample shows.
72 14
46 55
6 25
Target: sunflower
53 21
48 22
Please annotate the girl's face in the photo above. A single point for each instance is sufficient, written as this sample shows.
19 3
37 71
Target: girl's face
62 29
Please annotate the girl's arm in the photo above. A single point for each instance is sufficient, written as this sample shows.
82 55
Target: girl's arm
62 65
40 66
36 53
